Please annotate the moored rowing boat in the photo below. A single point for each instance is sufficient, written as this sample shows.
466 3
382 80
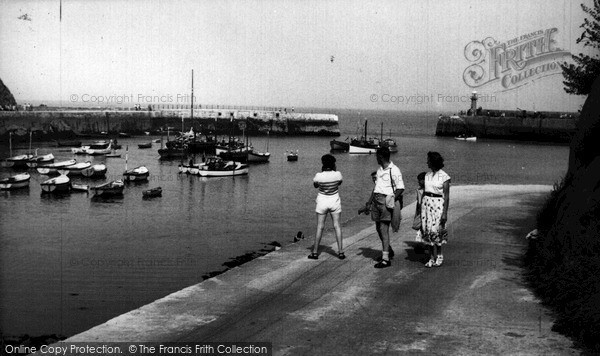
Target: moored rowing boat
60 184
15 182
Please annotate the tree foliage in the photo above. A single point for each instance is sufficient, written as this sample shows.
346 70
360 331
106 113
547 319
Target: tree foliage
580 76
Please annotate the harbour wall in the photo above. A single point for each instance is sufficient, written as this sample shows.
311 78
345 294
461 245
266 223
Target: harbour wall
552 129
52 124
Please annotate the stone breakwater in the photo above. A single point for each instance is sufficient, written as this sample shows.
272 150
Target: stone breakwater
520 127
66 123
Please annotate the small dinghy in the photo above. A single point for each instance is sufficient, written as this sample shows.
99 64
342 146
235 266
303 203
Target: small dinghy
36 160
151 193
95 171
108 189
75 169
80 187
136 174
145 145
292 156
16 161
15 182
466 138
60 184
113 154
258 157
53 168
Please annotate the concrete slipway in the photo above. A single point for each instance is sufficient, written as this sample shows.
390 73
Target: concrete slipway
476 303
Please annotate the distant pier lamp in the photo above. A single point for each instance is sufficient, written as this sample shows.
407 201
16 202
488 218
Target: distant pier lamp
474 103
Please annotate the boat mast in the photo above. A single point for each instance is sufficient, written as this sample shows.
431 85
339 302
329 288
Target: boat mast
381 135
192 106
366 129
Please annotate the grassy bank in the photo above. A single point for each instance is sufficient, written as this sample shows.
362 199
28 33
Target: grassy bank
563 265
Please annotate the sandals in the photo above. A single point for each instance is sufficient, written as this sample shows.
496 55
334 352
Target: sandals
383 264
439 261
430 263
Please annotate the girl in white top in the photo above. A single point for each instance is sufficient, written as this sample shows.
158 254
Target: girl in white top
434 208
328 201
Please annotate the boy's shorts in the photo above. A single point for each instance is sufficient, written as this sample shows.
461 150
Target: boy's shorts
379 210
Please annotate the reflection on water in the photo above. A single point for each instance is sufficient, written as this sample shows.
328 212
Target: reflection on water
70 262
108 199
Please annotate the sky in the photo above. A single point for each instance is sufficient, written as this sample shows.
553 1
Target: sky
389 55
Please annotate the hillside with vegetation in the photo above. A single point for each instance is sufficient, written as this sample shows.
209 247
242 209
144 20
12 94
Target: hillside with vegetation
563 262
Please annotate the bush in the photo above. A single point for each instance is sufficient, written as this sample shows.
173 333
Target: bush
562 264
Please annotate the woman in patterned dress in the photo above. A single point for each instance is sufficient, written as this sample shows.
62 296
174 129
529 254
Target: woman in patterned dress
434 209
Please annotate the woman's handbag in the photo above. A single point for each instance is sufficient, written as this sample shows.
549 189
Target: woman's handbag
417 224
443 233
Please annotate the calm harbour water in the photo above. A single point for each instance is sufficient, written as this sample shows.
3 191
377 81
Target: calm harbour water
69 263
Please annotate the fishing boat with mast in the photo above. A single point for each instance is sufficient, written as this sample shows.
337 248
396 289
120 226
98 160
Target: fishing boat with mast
136 174
172 149
364 145
255 156
337 145
19 161
178 148
389 142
